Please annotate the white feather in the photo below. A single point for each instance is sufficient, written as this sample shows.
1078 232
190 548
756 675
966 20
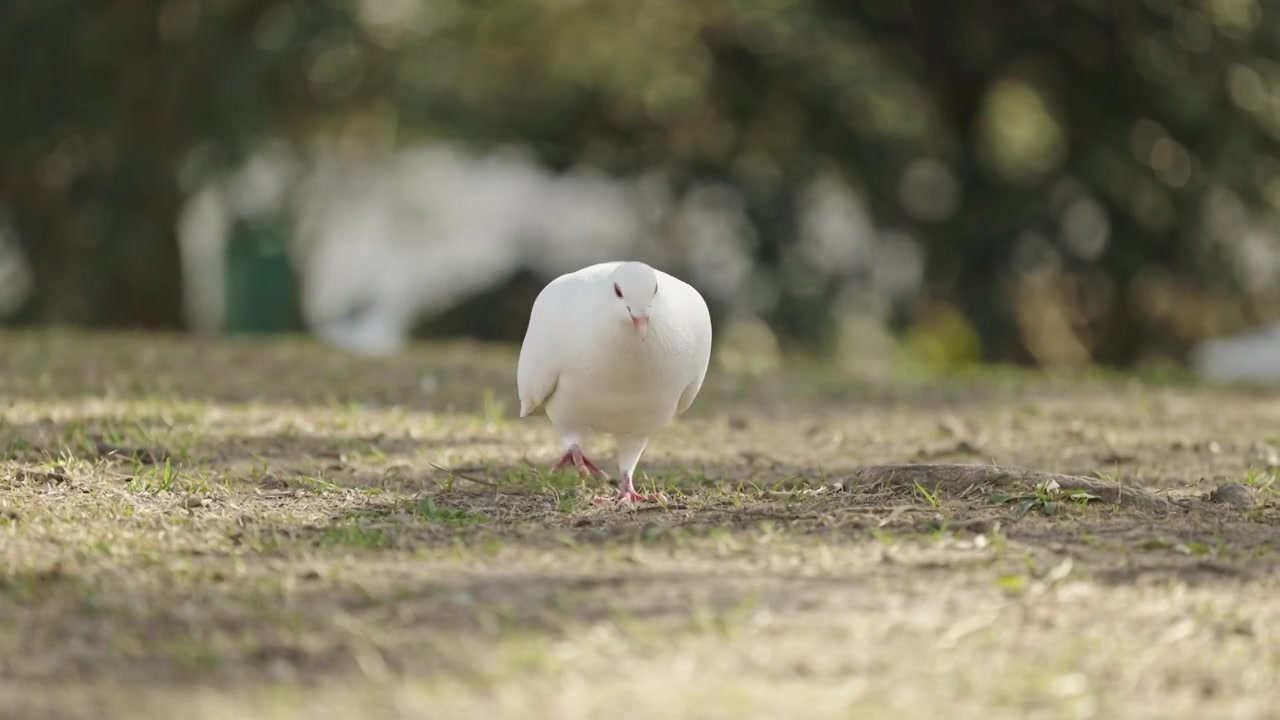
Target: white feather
584 364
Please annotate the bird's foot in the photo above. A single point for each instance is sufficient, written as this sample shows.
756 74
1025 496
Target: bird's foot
573 456
627 494
631 496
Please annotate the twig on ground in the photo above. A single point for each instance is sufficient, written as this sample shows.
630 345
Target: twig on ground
460 476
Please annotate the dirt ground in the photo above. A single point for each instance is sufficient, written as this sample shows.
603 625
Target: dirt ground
271 529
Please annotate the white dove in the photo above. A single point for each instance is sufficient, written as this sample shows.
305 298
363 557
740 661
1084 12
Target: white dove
617 348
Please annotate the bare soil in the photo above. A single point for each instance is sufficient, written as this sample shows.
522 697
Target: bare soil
264 528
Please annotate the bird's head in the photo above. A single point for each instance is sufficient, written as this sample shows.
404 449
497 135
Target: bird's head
634 286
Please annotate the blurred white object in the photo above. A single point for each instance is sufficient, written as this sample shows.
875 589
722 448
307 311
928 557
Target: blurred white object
379 242
15 273
203 228
1250 357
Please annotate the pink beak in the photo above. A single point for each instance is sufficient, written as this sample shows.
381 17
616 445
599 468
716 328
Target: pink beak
641 323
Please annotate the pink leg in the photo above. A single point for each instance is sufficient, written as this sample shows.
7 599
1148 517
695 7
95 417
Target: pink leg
627 494
592 467
575 457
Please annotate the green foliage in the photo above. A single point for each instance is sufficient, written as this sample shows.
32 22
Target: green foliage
1048 498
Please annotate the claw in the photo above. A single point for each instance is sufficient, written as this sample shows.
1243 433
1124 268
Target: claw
627 494
631 496
573 456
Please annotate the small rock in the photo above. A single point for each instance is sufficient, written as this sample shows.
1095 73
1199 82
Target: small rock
311 575
1213 447
1235 494
271 482
194 502
738 422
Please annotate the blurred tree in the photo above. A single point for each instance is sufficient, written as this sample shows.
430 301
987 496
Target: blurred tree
114 110
1089 178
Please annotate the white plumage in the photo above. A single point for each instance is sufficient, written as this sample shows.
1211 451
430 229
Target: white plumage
617 348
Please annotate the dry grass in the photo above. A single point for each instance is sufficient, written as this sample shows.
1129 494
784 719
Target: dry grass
259 529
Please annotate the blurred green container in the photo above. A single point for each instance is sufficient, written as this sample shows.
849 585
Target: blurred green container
262 289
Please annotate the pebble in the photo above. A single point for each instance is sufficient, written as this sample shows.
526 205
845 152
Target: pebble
1233 493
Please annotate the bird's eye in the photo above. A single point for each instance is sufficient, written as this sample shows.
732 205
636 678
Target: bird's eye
617 290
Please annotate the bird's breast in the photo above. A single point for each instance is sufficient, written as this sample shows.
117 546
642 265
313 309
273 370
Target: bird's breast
632 390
